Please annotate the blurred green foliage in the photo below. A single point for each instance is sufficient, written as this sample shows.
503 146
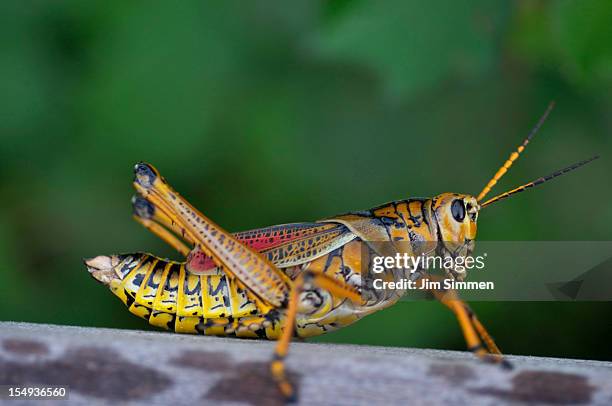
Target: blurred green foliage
265 113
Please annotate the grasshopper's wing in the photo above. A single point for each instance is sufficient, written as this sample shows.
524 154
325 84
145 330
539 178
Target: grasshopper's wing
294 244
370 229
286 245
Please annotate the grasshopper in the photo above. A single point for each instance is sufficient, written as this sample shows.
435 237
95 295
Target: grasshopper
300 279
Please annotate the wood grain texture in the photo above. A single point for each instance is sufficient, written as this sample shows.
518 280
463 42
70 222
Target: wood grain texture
104 366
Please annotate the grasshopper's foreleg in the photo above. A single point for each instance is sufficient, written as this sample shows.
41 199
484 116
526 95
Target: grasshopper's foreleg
473 330
303 282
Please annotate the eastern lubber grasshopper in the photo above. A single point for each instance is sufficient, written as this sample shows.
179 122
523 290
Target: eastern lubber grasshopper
300 279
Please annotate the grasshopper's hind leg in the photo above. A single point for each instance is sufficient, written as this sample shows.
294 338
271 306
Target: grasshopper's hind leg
268 285
157 222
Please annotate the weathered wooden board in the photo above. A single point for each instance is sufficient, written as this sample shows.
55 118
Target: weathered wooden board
104 366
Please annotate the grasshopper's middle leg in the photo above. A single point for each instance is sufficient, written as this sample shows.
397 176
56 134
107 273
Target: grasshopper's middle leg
303 282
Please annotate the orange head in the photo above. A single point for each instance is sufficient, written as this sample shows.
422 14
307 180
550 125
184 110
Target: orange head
456 215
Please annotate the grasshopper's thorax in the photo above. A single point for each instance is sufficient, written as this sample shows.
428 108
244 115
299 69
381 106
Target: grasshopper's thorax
448 217
402 220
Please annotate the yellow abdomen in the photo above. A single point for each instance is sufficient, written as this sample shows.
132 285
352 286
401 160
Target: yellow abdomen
168 296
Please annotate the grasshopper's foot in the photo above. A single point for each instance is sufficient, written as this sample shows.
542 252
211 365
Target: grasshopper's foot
492 358
500 360
145 175
506 364
277 367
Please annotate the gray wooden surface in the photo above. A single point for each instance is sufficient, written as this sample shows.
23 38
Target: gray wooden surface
105 366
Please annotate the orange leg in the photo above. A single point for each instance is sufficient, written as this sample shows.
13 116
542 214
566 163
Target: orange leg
156 221
336 288
269 285
473 330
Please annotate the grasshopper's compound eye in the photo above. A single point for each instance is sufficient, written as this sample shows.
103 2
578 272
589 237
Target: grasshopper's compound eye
458 210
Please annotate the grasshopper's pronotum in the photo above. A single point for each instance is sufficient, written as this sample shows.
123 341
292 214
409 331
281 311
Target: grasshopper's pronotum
299 279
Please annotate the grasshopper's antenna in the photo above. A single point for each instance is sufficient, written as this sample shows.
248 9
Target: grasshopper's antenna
513 157
538 181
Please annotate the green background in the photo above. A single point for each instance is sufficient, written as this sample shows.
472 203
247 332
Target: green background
272 112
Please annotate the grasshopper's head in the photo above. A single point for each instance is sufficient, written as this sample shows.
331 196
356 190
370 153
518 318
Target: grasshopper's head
456 215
